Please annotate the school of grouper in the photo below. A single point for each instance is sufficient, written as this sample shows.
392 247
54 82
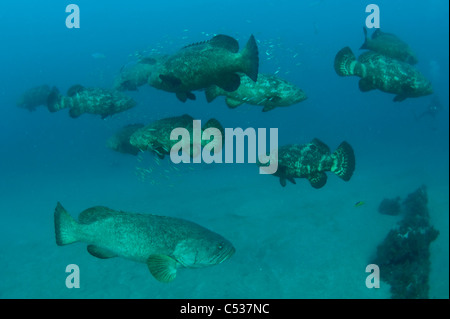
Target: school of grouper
218 68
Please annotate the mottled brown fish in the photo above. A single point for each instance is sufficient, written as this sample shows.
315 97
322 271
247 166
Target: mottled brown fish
133 76
200 65
163 243
381 72
34 97
155 137
81 100
269 91
390 45
312 160
120 142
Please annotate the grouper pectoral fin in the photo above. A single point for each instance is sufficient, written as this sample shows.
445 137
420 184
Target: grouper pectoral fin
267 108
75 112
291 179
407 90
232 103
162 267
99 252
400 98
183 96
284 178
191 96
281 172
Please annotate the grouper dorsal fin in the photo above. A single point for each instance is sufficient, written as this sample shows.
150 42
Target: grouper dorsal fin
162 267
377 33
220 41
226 42
96 213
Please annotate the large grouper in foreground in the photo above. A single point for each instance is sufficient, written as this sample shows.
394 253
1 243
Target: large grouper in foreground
312 161
200 65
163 243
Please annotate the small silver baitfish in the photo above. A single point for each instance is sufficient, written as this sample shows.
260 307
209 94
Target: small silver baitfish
163 243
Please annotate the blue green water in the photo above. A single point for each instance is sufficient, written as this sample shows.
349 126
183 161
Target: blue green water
292 242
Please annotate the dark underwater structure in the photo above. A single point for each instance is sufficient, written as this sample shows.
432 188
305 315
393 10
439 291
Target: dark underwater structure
403 256
390 206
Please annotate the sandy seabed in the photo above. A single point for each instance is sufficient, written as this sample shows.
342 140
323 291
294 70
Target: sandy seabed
292 242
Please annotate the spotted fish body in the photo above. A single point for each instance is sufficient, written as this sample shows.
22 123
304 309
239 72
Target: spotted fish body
380 72
90 100
312 160
133 76
155 137
268 91
34 97
163 243
198 66
389 45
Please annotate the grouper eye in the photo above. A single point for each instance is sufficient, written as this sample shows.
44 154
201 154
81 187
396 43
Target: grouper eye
220 246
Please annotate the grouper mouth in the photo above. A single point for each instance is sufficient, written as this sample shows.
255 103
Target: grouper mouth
225 254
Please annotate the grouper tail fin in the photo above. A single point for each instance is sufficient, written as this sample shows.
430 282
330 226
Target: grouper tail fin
65 226
345 62
251 59
53 100
344 161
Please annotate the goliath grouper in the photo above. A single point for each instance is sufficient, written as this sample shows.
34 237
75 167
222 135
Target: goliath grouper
163 243
312 160
81 100
200 65
381 72
34 97
389 45
135 75
120 141
268 91
155 137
